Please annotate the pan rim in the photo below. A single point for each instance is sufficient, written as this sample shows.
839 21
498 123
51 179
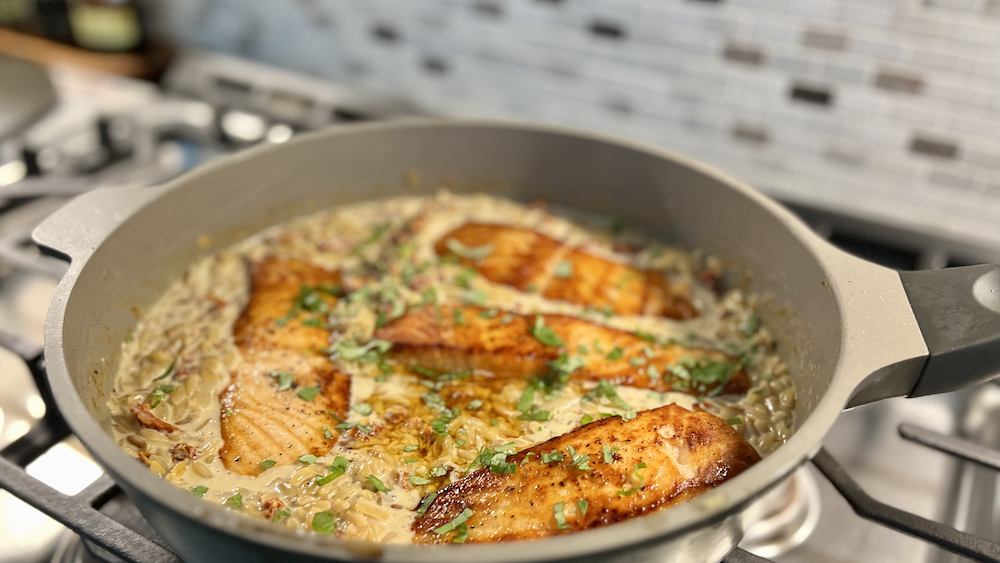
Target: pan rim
710 508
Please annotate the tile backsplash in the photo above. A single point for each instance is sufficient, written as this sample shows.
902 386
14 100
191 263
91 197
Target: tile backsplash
885 109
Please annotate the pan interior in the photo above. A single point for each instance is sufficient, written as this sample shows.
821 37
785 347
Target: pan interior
685 203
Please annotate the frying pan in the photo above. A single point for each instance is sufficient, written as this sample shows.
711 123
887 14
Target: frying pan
851 331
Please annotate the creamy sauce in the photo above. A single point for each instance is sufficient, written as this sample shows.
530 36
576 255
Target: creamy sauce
181 354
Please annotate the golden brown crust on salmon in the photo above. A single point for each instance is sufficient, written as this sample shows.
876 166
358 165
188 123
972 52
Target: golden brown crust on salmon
450 339
527 260
684 453
258 421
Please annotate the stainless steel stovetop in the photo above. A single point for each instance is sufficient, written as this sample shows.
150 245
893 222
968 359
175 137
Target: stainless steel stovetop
142 136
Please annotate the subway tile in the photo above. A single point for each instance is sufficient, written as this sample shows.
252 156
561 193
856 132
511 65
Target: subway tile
830 40
743 54
896 80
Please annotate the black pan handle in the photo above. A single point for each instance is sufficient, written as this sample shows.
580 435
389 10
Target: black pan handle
958 311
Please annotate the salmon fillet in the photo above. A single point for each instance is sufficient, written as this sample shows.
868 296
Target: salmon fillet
259 421
450 339
528 260
685 453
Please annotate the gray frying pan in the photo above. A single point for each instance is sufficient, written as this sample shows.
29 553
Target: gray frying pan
853 332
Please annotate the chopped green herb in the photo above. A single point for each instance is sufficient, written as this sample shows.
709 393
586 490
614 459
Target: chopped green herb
507 447
418 480
458 521
411 448
587 419
494 422
460 443
364 409
527 456
563 269
545 334
648 352
552 456
489 313
199 490
463 534
734 421
428 297
268 463
645 336
636 362
439 471
598 348
235 501
160 392
654 372
616 227
410 460
308 393
527 399
370 353
536 415
469 252
326 433
582 462
465 277
582 505
615 354
171 367
582 349
507 319
557 509
609 453
284 379
475 404
459 317
324 522
607 391
308 459
378 484
426 502
642 480
313 322
750 325
338 468
531 288
474 297
280 515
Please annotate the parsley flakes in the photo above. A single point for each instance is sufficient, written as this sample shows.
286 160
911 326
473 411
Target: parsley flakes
470 252
308 393
324 522
284 378
545 334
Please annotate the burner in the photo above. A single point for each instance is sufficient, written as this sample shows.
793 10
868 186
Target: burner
783 519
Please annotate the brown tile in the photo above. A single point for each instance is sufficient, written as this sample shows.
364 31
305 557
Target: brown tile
933 147
899 81
743 54
822 39
750 133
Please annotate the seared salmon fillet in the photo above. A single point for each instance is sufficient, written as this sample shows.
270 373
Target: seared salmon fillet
528 260
260 419
660 458
451 339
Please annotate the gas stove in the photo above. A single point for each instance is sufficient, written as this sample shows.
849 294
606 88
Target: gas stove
923 461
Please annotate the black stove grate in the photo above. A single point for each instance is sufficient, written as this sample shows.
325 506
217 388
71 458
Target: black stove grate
83 512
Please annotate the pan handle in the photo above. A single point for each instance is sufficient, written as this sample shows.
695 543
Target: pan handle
78 228
958 312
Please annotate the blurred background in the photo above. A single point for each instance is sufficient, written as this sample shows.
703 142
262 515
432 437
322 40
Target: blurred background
878 122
